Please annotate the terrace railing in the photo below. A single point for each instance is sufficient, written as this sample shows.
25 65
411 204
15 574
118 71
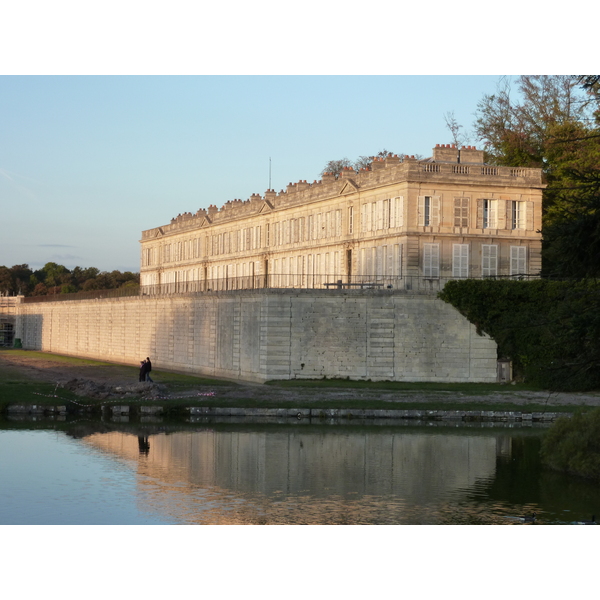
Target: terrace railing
409 283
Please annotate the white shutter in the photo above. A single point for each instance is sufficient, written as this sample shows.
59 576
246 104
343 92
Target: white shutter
489 260
421 211
398 220
397 267
518 260
386 214
434 219
460 260
431 260
379 212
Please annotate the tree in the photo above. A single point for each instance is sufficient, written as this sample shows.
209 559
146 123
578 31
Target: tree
517 132
572 236
459 138
550 126
362 162
336 166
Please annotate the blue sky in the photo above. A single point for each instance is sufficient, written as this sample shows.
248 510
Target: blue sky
88 162
91 154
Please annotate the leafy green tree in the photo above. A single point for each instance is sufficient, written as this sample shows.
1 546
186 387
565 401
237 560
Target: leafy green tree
52 272
550 125
6 282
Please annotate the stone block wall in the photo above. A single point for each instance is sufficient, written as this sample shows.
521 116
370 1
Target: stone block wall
260 335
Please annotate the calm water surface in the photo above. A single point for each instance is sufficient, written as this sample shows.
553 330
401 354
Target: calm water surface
219 473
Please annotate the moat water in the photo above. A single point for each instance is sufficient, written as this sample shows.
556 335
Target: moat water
241 473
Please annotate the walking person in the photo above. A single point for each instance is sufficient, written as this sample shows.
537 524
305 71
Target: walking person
148 369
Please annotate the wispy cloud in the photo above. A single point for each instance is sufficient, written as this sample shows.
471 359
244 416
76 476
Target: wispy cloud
10 177
65 257
54 246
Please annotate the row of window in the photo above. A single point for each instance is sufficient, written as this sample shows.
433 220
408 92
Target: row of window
461 260
491 214
380 261
375 216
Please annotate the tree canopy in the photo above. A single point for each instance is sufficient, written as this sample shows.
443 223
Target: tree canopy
362 162
552 124
53 278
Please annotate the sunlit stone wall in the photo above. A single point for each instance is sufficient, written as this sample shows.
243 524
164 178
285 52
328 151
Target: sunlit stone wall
270 334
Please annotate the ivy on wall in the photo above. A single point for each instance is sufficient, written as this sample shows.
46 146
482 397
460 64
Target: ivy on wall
549 329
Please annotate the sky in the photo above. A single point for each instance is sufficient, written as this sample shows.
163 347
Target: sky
88 162
110 126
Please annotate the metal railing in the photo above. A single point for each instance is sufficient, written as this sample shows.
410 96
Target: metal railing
409 283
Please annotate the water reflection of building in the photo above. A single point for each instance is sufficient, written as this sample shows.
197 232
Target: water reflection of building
299 475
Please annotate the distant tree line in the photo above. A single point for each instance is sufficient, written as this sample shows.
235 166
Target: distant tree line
53 278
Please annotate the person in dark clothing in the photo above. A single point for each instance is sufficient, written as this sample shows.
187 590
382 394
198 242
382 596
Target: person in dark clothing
143 370
148 369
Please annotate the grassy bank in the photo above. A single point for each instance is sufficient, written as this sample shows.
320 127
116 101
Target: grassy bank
18 387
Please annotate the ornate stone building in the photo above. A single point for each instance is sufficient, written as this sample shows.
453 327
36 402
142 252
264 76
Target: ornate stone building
402 223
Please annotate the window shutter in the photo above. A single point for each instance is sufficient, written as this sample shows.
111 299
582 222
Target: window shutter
489 260
501 216
431 260
398 220
421 211
398 258
528 206
389 260
518 260
386 214
480 214
460 260
435 210
492 214
379 213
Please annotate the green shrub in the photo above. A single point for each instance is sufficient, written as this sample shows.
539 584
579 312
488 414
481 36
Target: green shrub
549 329
572 445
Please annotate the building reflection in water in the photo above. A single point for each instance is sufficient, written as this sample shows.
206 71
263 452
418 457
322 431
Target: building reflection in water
306 476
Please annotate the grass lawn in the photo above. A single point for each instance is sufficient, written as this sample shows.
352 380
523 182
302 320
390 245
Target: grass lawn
17 388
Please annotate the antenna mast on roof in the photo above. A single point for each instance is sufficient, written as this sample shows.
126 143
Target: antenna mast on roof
269 172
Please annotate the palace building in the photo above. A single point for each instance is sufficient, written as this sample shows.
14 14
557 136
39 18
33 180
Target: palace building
403 223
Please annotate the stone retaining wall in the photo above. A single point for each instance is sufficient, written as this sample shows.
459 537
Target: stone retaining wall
260 335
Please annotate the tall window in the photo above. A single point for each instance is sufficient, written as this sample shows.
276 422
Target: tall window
490 214
431 260
517 214
461 212
429 211
518 260
489 260
350 220
460 260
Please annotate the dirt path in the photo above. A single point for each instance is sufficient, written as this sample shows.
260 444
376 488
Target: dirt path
95 379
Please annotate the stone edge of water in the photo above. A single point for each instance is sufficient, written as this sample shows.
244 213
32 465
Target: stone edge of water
311 413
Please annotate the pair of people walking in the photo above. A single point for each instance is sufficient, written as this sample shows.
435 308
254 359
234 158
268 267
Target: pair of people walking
145 368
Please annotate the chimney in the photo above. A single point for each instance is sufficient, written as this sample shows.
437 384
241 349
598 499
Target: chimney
447 153
470 155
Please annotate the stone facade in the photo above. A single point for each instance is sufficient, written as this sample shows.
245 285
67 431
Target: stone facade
404 223
260 335
8 311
